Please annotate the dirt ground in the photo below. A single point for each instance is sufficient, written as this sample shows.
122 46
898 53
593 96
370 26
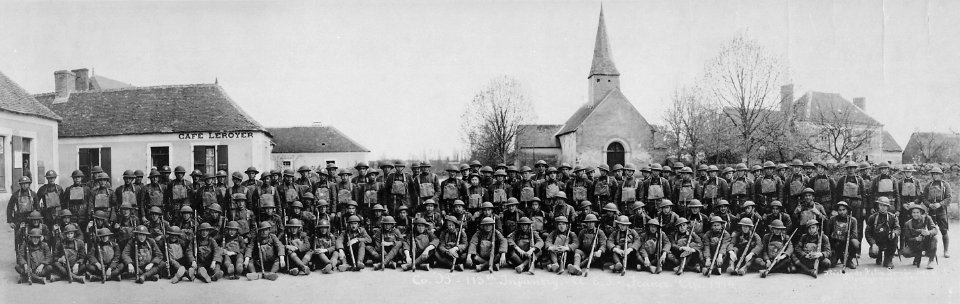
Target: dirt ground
869 282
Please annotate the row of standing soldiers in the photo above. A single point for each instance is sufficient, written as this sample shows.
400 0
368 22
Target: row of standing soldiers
201 214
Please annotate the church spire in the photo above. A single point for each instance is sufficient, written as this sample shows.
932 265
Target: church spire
602 60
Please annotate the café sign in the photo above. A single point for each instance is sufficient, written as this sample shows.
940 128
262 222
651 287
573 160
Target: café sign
215 135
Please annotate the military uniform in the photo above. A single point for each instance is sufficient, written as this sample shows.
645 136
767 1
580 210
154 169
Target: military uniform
686 246
937 195
352 245
325 255
591 247
386 244
298 247
34 258
420 245
745 246
716 246
49 197
767 188
561 244
920 236
741 186
776 251
523 245
265 254
811 247
487 247
882 233
838 228
143 258
103 260
78 199
233 246
22 203
622 244
452 243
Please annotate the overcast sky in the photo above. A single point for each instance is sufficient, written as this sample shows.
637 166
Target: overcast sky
395 76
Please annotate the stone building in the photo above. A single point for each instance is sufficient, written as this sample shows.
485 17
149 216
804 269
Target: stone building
28 138
315 146
607 128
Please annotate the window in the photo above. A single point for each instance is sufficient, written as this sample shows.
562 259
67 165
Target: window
159 156
331 162
286 164
25 155
92 157
3 168
209 159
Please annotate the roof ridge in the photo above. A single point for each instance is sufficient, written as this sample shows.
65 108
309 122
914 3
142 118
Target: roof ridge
194 85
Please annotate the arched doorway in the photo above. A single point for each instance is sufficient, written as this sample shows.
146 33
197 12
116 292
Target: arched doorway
615 154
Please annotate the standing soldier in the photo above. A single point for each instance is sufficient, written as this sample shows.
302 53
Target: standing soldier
92 183
252 182
103 199
551 187
716 243
178 191
794 184
268 256
399 183
696 220
654 189
22 203
164 174
511 216
343 190
353 241
580 188
812 250
776 213
49 197
451 242
809 209
748 212
559 208
910 192
387 243
476 193
142 256
79 198
865 170
385 169
153 193
823 187
526 189
130 194
288 192
745 245
482 252
606 189
564 173
233 247
452 189
741 186
622 242
685 252
103 262
541 167
775 250
768 187
851 189
207 193
304 182
332 171
920 236
196 198
223 192
684 190
713 188
884 185
370 192
362 169
937 195
500 190
629 188
266 197
323 188
842 228
666 216
882 232
426 184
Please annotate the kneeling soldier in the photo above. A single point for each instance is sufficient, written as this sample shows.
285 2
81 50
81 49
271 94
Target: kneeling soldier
843 230
920 236
452 242
524 244
813 248
882 232
422 243
142 256
685 252
268 254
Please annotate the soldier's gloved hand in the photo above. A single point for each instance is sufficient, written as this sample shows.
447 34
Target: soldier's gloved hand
130 268
148 267
469 261
322 250
213 265
782 256
733 255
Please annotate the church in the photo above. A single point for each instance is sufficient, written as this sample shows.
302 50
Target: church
606 129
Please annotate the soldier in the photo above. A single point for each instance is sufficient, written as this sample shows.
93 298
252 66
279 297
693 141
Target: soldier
608 218
399 184
22 203
274 177
209 255
767 188
188 222
653 251
581 187
741 186
94 173
541 167
288 192
323 188
487 248
882 232
910 192
776 213
843 228
774 251
809 169
332 171
422 242
208 194
884 185
233 247
127 221
387 243
252 182
103 262
66 218
606 189
684 190
749 213
452 189
34 258
665 215
131 194
523 246
236 188
463 217
103 199
794 185
920 236
745 245
304 183
78 198
511 215
812 250
559 208
937 195
561 245
178 191
713 188
308 219
265 197
629 188
538 217
100 220
426 184
142 256
353 240
639 216
325 255
451 242
654 188
500 190
70 255
153 193
685 252
591 247
809 209
361 177
433 216
823 186
716 243
298 247
851 189
622 244
268 255
238 212
48 197
696 219
551 187
564 173
385 169
526 189
585 210
404 221
370 192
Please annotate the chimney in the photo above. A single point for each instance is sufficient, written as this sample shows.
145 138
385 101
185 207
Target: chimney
786 97
64 82
861 103
83 79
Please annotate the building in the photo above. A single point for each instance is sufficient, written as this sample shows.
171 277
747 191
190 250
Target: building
607 128
932 147
817 110
314 146
196 126
28 137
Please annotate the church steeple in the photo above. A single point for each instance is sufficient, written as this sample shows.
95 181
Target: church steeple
602 60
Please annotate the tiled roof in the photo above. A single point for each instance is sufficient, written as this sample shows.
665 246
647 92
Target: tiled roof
313 139
890 144
149 110
818 102
15 99
538 136
573 123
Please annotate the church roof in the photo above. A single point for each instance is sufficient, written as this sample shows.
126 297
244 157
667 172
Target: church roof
574 122
602 60
538 136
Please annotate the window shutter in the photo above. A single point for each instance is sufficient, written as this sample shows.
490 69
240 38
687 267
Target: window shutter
105 162
222 158
199 158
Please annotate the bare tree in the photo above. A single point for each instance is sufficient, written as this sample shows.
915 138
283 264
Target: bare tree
836 133
492 119
935 147
690 119
744 80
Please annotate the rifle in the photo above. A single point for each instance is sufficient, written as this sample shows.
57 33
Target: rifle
459 231
383 249
593 248
196 222
846 250
626 258
166 248
26 255
780 253
96 239
263 268
743 260
683 263
716 254
413 249
563 256
350 248
660 252
136 259
493 246
63 248
816 263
